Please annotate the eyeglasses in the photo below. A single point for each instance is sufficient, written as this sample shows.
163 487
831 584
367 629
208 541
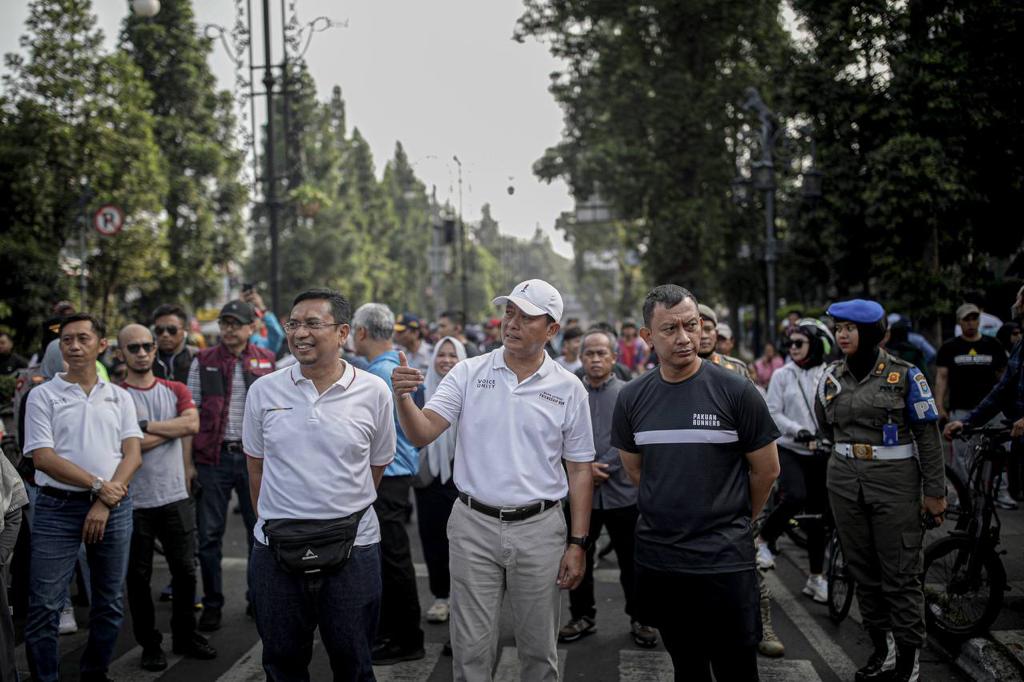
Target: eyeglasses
311 325
134 348
170 329
795 344
226 323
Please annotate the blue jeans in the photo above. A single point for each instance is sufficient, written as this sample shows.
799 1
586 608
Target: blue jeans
345 605
56 536
217 482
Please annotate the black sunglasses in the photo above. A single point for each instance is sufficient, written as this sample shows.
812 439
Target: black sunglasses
170 329
134 348
795 344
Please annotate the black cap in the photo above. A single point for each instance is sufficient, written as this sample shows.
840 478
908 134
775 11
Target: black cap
240 310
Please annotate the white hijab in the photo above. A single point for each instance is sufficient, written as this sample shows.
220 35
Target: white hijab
441 452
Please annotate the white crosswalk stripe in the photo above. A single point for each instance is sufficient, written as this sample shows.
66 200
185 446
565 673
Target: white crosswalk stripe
248 668
410 671
823 643
656 666
508 665
127 666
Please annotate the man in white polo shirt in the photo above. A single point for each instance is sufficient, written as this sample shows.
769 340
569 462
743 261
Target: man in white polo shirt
85 441
520 416
318 435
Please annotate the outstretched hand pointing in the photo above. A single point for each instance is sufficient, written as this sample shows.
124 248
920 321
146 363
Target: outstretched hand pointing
405 379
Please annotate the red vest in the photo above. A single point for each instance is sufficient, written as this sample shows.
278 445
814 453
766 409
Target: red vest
216 368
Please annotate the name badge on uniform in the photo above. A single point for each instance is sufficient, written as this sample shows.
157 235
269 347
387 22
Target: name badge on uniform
890 434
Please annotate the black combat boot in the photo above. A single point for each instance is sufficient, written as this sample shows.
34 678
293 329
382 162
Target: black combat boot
907 665
880 664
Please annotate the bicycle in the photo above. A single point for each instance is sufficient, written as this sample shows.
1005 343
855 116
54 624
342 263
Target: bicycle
964 578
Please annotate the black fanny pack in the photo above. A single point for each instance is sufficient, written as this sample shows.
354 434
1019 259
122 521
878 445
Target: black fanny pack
313 546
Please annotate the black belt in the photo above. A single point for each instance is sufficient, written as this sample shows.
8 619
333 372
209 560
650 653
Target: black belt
231 446
508 513
62 494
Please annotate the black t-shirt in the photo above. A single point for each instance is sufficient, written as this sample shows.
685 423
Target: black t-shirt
694 496
974 368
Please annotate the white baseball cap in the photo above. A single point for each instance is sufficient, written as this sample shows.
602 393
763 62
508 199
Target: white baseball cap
534 297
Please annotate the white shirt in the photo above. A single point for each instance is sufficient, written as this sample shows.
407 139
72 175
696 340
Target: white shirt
317 448
571 366
512 436
791 394
86 430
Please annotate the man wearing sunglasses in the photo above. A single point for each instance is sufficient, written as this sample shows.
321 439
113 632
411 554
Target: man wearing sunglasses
174 356
219 379
162 508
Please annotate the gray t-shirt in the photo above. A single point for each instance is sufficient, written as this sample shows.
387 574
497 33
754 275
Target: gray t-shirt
161 478
694 497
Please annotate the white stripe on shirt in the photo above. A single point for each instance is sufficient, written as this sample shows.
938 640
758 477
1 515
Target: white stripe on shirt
671 436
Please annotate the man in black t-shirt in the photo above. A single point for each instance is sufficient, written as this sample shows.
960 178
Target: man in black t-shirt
969 366
699 443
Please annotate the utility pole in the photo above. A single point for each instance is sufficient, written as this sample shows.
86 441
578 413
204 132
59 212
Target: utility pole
764 180
462 247
273 207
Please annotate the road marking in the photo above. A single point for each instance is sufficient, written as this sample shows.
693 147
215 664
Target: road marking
127 666
823 643
508 665
248 667
656 666
410 671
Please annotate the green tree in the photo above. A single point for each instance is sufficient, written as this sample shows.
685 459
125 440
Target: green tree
195 129
75 133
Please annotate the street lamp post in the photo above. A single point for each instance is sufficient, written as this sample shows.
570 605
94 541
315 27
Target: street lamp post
462 246
763 172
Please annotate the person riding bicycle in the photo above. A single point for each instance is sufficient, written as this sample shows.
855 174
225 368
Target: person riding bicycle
877 410
1007 396
791 393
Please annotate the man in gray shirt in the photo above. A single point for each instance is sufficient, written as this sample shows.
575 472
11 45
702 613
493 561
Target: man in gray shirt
614 505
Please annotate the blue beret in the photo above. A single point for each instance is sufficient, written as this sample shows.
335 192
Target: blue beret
857 310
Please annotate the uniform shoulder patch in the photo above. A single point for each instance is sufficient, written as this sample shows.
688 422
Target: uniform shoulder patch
893 378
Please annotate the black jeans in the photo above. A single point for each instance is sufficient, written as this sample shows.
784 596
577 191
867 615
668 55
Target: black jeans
708 622
433 507
400 603
621 525
343 604
174 525
803 489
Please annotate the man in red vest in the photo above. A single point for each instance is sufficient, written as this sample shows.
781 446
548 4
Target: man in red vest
219 378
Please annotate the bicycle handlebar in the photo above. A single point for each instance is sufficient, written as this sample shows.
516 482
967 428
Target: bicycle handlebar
997 434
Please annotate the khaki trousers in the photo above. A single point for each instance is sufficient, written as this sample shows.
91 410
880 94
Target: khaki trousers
489 559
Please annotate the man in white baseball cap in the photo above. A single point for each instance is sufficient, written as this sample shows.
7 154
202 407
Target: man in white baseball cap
518 415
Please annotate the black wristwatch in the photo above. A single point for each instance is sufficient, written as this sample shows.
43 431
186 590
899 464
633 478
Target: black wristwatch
143 425
580 540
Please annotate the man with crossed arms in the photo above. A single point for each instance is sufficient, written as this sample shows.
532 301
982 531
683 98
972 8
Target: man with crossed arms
520 415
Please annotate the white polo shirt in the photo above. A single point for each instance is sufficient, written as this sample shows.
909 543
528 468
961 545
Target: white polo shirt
512 435
317 448
84 429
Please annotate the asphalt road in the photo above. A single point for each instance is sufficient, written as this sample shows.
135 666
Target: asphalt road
816 649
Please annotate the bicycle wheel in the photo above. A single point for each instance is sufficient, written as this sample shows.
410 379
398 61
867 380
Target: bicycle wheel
840 584
955 602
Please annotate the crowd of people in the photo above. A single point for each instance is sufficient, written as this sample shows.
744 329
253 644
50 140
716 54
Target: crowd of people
518 447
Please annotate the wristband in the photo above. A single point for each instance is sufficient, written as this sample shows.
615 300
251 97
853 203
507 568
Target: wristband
580 540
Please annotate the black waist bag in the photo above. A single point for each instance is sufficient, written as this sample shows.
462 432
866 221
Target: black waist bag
313 546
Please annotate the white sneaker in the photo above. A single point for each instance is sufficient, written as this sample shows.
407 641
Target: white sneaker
1004 501
68 624
816 588
438 612
765 558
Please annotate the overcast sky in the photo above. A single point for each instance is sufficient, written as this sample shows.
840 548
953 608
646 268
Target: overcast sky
444 77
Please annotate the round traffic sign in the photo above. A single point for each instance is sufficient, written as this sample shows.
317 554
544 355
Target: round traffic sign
108 220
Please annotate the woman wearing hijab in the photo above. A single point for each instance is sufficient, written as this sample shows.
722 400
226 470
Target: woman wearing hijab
436 491
885 477
802 484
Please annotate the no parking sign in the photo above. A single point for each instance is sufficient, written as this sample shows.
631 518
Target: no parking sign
108 220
